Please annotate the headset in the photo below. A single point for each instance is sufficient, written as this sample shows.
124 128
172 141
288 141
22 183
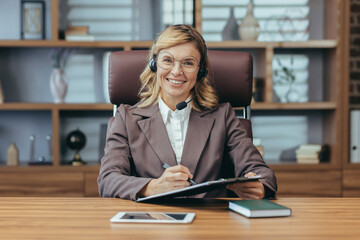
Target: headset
202 73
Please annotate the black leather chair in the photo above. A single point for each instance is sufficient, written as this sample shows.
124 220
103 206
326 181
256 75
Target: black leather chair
231 73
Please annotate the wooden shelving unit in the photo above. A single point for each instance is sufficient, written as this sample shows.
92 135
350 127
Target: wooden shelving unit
325 179
351 171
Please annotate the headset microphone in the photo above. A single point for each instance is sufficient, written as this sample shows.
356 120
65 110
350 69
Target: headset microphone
183 104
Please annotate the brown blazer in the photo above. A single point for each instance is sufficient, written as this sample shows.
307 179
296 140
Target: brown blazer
137 147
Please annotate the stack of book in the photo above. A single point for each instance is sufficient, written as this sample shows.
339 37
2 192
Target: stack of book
78 33
308 153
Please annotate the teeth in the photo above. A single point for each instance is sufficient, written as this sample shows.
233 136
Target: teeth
175 82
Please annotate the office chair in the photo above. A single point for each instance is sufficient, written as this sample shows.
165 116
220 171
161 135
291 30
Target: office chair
230 72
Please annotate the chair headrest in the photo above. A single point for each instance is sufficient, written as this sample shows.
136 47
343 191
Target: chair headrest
231 73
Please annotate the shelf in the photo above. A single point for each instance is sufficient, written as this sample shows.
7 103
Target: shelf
352 166
303 167
108 106
91 44
49 168
127 45
84 106
96 167
254 44
53 106
310 44
26 106
292 106
354 106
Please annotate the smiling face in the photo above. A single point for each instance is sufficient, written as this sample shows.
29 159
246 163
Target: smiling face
175 83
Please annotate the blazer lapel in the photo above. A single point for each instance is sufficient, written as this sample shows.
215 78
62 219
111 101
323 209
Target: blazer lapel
155 132
197 135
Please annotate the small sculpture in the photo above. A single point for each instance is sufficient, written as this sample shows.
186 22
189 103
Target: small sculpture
76 140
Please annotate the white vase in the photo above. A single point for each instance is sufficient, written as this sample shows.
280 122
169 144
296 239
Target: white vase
58 85
249 29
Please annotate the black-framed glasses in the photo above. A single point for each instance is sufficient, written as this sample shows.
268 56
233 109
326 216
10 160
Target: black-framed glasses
166 60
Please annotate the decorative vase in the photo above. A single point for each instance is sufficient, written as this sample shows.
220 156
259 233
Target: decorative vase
230 31
58 85
249 28
292 95
12 155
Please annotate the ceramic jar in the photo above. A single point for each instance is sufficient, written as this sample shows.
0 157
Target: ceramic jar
249 29
12 155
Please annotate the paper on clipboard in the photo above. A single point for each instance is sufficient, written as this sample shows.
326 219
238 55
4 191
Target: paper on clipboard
198 188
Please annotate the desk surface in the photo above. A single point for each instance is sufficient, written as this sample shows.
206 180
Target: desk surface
88 218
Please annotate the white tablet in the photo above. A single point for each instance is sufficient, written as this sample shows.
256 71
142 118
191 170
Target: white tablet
152 217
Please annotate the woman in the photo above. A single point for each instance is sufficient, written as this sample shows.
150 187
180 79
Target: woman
152 147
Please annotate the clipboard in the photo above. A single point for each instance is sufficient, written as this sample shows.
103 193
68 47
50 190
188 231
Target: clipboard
198 188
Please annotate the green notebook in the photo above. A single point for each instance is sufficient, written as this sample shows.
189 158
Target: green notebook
259 208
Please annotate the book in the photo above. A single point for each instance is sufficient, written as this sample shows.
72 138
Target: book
307 160
79 38
310 147
259 208
300 153
198 188
312 153
77 30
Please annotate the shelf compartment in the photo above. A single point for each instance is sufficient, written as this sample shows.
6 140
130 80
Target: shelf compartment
281 133
93 124
18 126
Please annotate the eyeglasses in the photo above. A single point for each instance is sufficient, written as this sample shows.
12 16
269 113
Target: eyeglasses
166 60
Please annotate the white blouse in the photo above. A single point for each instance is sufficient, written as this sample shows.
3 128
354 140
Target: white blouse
176 123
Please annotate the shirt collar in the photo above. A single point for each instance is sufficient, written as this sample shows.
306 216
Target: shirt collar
166 112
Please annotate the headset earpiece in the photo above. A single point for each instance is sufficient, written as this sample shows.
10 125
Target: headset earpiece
203 72
152 65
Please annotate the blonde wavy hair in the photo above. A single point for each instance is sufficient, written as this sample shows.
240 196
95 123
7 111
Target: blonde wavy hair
170 37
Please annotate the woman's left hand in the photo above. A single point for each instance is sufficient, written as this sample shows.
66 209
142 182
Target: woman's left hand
248 190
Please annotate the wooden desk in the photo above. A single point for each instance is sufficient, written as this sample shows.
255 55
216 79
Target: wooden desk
88 218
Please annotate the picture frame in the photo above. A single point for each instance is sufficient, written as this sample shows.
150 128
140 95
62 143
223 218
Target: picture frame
32 19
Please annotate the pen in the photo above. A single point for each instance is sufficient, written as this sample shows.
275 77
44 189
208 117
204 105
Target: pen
165 166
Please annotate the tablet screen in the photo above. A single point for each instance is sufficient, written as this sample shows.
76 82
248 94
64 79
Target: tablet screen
153 217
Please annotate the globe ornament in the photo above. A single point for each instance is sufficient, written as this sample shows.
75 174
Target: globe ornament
76 140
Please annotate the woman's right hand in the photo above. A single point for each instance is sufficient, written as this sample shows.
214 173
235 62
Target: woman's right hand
173 178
